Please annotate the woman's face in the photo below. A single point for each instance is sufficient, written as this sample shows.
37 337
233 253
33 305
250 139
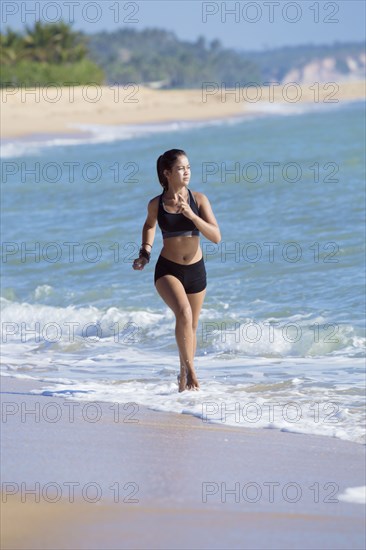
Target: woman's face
180 173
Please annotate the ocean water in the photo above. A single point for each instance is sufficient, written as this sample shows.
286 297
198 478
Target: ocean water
281 338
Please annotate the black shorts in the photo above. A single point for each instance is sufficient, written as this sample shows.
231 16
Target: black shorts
192 276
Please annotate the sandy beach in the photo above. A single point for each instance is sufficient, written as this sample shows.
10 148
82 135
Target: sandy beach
90 475
55 110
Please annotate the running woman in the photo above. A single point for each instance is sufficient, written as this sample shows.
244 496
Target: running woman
180 273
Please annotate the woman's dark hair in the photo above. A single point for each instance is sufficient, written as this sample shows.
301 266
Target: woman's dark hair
166 162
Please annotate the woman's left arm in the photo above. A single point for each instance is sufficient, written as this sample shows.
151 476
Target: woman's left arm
206 223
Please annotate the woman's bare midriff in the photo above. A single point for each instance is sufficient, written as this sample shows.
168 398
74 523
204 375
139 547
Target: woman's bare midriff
182 250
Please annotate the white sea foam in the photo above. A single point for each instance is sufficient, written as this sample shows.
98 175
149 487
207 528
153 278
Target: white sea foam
51 325
242 405
355 495
35 318
42 291
245 392
287 108
99 133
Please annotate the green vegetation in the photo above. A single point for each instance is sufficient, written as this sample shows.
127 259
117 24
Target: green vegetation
54 53
153 55
128 55
48 53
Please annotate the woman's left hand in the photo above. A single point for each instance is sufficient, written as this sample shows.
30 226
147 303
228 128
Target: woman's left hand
184 208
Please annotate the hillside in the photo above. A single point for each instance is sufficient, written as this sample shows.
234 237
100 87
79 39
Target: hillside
158 58
339 62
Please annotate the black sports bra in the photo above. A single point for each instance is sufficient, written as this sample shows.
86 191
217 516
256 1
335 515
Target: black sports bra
176 225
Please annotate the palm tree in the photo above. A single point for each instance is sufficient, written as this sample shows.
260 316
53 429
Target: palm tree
54 43
11 47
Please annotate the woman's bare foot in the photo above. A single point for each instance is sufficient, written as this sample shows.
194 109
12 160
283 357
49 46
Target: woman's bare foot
192 382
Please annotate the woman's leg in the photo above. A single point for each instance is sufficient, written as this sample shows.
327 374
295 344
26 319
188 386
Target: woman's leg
172 292
196 302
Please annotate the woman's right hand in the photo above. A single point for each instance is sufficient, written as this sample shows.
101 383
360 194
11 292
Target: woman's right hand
139 263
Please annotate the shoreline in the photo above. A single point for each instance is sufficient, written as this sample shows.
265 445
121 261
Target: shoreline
26 113
82 133
40 383
175 467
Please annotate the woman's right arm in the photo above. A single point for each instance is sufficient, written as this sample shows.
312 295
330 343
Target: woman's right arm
148 233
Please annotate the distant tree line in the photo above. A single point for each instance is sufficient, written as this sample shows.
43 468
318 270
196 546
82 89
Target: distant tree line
155 55
56 53
128 55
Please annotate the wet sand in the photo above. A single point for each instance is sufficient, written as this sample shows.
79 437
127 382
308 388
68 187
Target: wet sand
111 477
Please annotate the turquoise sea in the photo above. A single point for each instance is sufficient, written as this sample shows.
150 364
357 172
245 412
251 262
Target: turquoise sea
281 340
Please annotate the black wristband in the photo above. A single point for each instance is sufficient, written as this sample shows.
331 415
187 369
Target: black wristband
145 254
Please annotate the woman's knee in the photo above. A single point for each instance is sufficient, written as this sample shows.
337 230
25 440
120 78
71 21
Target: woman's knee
194 326
183 313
